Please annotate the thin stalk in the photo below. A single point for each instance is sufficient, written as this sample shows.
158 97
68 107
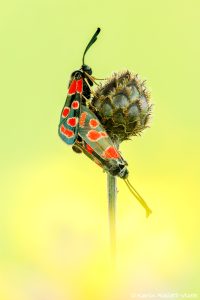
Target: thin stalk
112 198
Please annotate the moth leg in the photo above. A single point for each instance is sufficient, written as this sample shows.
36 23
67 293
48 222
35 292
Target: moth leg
92 92
92 78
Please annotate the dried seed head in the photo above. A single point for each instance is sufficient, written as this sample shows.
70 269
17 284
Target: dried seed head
122 105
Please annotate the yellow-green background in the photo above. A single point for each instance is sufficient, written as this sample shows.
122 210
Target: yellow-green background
54 239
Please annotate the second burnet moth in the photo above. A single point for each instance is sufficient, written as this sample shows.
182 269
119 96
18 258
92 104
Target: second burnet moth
78 91
80 128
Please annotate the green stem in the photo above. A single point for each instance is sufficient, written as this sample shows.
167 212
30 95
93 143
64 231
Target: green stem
112 198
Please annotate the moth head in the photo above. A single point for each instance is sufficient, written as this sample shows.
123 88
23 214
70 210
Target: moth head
86 69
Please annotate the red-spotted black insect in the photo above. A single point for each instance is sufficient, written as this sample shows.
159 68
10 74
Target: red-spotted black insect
80 127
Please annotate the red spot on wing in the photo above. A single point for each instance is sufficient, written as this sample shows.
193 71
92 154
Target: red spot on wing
72 87
68 133
94 135
65 112
82 119
75 104
79 86
72 122
111 152
104 134
94 123
89 149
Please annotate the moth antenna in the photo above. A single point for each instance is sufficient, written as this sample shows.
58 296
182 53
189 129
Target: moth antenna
138 197
93 39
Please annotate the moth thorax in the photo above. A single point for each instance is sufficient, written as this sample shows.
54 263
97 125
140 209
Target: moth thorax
78 74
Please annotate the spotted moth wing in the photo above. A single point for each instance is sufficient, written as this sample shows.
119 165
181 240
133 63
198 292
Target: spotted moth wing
69 119
94 135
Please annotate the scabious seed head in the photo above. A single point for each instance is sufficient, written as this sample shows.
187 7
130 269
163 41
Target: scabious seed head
122 105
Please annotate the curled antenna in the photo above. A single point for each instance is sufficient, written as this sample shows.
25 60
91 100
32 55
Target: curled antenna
93 39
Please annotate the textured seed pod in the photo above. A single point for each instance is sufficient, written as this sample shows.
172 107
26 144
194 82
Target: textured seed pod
122 105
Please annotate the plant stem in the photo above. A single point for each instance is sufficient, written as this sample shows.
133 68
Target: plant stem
112 197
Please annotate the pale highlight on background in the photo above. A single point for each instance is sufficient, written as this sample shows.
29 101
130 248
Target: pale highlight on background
54 237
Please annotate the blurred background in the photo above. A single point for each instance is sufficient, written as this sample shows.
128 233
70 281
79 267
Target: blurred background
54 237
